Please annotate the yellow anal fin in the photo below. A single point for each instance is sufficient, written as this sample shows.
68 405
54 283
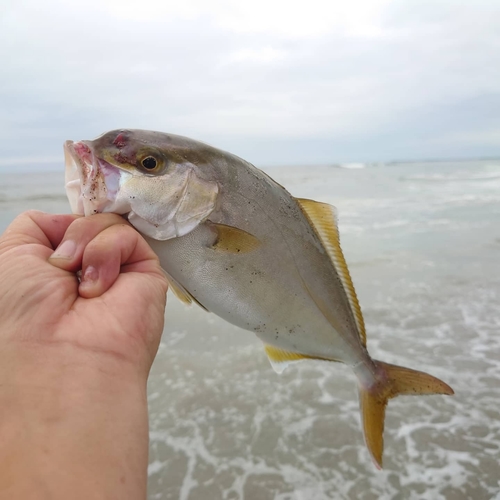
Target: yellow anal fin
280 359
392 381
323 218
233 240
181 293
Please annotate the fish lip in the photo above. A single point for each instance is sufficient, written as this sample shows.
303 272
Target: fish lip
92 184
73 178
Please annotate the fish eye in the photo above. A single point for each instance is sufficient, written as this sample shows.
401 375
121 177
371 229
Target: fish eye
149 163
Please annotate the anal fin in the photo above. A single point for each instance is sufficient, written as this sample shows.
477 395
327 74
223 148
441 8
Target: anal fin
280 359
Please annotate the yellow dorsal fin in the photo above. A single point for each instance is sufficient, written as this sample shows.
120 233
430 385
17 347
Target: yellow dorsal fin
323 218
234 240
181 293
280 359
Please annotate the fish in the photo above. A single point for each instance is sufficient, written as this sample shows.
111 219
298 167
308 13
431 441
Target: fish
232 240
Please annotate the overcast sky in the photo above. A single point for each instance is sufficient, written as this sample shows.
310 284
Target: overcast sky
276 82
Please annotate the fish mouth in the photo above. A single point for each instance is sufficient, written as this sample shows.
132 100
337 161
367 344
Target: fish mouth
92 184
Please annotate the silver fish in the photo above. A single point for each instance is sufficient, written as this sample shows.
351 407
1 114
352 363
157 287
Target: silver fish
234 241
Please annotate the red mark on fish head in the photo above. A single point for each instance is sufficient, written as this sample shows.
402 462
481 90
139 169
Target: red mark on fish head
120 140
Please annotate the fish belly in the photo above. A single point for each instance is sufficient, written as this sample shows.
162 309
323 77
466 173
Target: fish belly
260 291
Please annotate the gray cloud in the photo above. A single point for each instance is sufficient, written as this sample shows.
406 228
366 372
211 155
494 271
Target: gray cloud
374 81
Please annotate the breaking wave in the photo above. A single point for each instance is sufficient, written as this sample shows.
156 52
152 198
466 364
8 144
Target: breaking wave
455 177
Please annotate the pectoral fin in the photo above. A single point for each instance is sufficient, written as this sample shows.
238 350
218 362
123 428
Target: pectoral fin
233 240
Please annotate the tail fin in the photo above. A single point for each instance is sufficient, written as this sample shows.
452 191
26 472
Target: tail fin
391 381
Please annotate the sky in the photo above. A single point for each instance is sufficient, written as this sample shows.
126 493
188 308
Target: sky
275 82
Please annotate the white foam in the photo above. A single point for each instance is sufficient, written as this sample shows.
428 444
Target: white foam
352 166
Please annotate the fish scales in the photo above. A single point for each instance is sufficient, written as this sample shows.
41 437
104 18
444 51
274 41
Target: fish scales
270 299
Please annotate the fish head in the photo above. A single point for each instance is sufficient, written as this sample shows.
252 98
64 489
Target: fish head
143 176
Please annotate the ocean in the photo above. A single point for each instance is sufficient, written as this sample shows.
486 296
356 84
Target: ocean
422 241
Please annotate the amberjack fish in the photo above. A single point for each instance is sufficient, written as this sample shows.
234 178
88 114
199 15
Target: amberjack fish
234 241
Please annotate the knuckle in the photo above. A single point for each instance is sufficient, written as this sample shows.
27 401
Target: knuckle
30 214
90 223
33 213
123 229
81 224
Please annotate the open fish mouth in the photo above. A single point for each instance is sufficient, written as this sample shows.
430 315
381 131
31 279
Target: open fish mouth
92 184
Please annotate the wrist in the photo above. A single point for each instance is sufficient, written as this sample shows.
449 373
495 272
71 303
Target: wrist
78 420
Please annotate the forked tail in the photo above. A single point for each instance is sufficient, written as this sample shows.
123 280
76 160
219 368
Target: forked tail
391 381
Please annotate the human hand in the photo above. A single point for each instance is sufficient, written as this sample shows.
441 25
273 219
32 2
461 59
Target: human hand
74 357
116 311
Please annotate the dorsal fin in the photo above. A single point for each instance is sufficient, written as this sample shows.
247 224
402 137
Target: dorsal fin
181 293
323 218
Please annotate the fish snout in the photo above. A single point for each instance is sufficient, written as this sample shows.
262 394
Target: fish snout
85 182
83 151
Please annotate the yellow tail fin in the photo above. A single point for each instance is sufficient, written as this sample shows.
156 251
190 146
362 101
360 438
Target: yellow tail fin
391 381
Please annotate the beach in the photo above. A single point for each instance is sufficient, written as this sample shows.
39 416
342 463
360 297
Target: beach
422 241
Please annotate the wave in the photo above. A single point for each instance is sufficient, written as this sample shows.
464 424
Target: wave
351 166
451 177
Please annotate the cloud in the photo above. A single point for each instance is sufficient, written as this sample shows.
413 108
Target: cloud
261 77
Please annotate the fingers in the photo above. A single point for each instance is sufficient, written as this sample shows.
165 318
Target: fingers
79 234
101 247
37 227
118 248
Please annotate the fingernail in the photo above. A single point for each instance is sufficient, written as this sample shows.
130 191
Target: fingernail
90 275
65 251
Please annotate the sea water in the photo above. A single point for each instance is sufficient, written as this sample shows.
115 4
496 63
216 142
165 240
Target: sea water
422 241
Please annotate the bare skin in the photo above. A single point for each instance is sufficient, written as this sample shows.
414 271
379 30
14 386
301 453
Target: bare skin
75 357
